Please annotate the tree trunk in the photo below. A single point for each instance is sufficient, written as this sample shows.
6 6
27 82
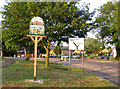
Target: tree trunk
25 51
58 51
118 51
47 55
1 53
47 58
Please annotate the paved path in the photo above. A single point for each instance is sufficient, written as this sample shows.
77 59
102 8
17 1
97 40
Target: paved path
105 69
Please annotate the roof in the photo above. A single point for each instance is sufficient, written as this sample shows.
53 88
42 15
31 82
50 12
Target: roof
52 47
105 50
64 48
79 51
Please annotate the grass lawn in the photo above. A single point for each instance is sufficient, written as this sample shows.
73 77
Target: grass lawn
56 75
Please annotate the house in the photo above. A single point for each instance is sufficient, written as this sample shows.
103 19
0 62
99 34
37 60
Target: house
78 52
51 51
114 52
105 50
21 53
65 51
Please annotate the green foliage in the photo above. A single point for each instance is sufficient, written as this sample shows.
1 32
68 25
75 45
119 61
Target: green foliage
15 26
92 46
57 50
27 57
107 24
60 18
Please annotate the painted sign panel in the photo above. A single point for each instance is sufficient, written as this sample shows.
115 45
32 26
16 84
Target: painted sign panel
37 26
76 43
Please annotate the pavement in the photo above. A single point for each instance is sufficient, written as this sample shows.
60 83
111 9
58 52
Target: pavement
105 69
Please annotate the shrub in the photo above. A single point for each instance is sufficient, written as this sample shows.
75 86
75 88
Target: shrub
27 57
118 58
112 59
91 57
88 57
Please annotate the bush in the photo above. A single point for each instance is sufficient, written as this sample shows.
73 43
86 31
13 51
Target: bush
118 58
91 57
88 57
112 59
27 57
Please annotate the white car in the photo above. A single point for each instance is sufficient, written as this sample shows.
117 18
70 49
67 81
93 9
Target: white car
22 55
75 56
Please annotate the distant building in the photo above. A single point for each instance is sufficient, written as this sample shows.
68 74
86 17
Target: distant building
105 50
78 52
114 52
65 51
51 51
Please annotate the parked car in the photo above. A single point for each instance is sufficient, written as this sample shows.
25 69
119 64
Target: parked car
65 56
22 55
75 56
52 56
101 57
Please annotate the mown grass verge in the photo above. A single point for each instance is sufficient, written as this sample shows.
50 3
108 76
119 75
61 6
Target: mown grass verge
56 75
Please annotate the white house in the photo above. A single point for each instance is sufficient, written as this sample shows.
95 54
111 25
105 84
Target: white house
114 52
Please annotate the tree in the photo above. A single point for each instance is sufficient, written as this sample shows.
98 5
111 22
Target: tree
60 18
57 50
15 26
92 46
107 23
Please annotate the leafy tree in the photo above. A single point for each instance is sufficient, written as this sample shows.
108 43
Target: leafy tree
60 18
15 26
57 50
107 23
92 46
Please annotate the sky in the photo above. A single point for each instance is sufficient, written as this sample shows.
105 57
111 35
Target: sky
93 4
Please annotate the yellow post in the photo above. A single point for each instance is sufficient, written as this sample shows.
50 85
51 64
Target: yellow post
69 59
36 40
82 61
35 59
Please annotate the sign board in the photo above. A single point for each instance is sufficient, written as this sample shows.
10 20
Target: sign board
37 26
76 43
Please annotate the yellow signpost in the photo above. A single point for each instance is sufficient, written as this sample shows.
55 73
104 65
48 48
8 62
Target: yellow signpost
69 60
36 22
82 61
36 40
